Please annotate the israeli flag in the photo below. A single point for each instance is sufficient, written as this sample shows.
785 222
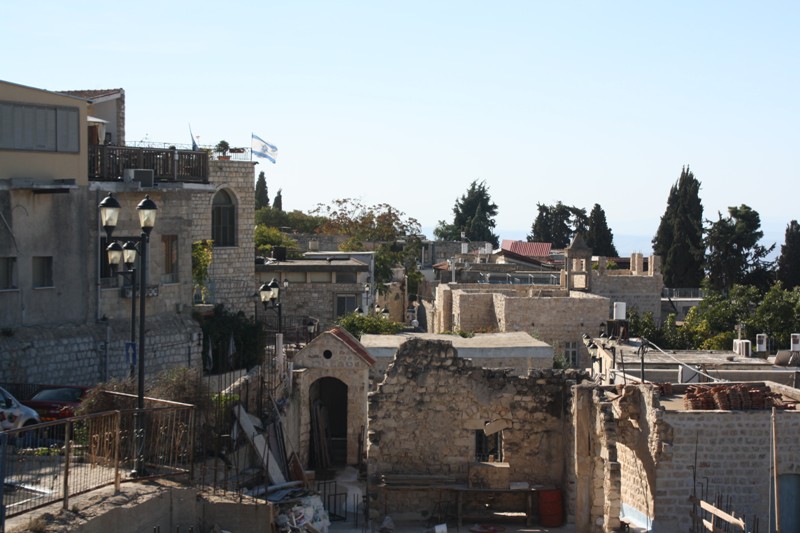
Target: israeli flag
261 148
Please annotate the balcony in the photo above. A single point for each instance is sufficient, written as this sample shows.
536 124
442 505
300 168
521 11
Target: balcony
107 163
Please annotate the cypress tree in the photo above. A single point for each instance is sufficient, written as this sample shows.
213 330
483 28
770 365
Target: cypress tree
262 199
789 260
679 238
599 236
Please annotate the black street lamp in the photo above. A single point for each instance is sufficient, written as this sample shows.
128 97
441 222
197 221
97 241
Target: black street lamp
270 294
109 214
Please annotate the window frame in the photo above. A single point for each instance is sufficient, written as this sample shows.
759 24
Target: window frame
223 220
170 273
39 128
42 272
8 273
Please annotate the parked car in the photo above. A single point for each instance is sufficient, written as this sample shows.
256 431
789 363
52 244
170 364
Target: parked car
56 402
13 414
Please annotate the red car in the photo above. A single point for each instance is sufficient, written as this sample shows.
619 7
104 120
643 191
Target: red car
53 403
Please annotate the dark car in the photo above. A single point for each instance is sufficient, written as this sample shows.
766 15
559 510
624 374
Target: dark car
54 403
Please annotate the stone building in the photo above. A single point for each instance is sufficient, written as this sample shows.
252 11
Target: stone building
641 457
438 418
555 316
320 288
329 400
65 317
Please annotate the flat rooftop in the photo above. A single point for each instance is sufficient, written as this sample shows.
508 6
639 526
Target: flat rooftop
514 344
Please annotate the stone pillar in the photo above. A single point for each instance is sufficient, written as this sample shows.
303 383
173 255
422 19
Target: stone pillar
637 264
583 458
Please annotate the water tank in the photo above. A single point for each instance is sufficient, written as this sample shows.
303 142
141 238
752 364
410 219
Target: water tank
619 310
279 253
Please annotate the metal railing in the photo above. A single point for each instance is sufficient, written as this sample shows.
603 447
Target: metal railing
682 293
108 162
51 462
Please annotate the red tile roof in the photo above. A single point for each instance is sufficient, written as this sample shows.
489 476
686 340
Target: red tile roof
352 343
527 249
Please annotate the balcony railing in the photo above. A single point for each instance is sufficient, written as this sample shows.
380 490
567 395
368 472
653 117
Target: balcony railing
682 293
108 163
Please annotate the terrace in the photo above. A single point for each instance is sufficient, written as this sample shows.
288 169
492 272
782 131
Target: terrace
169 163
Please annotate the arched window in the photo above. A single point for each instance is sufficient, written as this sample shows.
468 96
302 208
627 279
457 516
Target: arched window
223 220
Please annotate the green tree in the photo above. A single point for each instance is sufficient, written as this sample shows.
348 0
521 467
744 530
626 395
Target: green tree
733 254
598 235
277 203
473 214
371 323
777 315
202 255
393 236
679 238
267 237
262 198
557 224
789 260
291 220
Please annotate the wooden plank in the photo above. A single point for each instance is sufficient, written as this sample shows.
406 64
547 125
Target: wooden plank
259 443
722 515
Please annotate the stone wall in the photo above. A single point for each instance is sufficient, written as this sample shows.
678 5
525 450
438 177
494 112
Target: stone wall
474 311
425 415
232 269
637 460
85 355
729 449
555 320
637 287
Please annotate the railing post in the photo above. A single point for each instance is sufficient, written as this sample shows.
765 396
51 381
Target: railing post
117 440
67 453
3 451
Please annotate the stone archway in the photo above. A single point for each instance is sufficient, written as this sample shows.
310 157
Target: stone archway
328 423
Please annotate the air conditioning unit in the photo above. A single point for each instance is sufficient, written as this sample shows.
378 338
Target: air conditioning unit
143 175
761 342
794 345
745 348
619 310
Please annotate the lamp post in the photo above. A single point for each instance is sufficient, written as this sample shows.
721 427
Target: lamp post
109 214
126 254
270 294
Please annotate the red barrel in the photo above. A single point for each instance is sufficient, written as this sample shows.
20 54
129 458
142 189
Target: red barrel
551 508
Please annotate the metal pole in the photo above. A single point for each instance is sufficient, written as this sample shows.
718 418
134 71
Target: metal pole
133 315
139 446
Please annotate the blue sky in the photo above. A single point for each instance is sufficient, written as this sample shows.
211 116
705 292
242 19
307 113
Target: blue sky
406 103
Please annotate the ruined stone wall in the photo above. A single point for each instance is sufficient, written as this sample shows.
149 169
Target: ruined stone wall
425 415
729 449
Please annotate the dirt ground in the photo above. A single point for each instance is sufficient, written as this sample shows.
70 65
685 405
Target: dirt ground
83 508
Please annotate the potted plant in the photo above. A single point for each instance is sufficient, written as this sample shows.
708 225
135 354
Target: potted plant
222 148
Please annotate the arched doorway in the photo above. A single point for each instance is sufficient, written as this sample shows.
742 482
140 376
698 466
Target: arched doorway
328 405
